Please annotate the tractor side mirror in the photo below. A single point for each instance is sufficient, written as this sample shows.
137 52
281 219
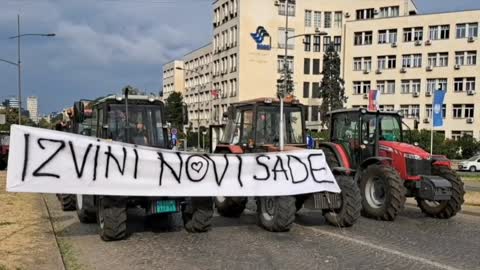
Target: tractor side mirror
185 114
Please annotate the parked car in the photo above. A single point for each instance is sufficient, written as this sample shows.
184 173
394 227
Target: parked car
472 164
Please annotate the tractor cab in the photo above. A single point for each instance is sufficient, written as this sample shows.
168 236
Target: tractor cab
107 118
254 125
362 133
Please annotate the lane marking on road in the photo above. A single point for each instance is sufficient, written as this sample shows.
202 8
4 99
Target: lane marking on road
384 249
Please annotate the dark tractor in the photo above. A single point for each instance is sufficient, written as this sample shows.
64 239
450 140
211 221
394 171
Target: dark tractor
144 124
4 147
253 127
387 170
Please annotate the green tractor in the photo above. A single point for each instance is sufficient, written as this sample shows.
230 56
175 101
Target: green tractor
137 120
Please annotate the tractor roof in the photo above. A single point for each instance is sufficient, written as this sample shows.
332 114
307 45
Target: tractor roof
269 101
362 111
131 98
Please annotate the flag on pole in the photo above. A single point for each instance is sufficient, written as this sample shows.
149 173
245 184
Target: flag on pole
374 100
438 99
215 93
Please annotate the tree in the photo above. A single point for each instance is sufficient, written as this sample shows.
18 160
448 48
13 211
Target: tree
174 110
11 116
44 124
468 145
332 89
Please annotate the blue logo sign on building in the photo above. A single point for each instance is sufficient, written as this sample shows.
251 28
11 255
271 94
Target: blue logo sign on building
262 38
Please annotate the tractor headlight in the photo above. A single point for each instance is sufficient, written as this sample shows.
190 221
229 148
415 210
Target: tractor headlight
412 156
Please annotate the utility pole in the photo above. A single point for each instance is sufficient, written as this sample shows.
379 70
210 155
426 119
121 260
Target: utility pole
19 67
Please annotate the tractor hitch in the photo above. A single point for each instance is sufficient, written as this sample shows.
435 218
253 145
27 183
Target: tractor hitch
434 188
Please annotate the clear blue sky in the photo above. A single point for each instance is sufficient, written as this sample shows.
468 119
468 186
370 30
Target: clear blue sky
103 45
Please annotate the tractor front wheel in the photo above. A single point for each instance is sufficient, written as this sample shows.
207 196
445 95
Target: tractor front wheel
276 214
445 209
197 214
349 211
230 206
67 201
112 217
383 192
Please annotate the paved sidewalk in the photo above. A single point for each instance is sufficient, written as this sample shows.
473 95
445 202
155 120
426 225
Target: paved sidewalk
26 237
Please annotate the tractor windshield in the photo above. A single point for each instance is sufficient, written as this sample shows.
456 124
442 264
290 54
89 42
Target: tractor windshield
262 127
145 126
390 128
268 125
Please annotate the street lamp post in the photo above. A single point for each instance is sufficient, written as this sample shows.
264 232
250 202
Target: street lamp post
198 103
286 72
19 66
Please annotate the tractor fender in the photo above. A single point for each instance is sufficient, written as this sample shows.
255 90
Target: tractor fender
339 152
373 160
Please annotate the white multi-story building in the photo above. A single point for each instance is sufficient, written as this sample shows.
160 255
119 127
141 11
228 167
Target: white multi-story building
32 107
383 44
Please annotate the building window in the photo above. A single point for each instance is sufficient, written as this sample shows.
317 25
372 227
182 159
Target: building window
306 113
437 84
458 85
438 59
317 19
381 86
357 64
281 39
360 88
367 63
438 32
316 90
290 8
338 19
365 14
467 30
405 87
387 62
470 84
307 42
389 12
387 36
328 19
306 90
457 111
387 108
412 34
315 113
363 38
469 111
308 18
316 43
281 63
306 66
390 88
316 66
416 86
337 43
412 61
410 111
326 43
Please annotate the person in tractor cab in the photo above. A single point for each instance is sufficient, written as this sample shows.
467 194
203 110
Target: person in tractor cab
140 134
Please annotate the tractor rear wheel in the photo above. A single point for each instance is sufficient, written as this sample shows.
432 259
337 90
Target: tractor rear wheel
383 192
445 209
112 217
67 201
230 206
351 206
276 214
197 214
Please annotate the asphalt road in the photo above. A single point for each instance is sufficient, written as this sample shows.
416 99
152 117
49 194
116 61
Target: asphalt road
411 242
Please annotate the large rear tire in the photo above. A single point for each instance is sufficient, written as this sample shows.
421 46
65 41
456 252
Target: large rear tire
197 214
276 214
383 192
67 202
445 209
86 208
112 217
230 206
349 212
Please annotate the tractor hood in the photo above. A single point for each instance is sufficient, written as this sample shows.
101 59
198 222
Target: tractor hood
406 148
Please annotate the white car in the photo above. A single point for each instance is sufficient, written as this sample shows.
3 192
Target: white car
472 164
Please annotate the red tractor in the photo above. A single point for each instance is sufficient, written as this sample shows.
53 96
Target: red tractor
253 127
387 170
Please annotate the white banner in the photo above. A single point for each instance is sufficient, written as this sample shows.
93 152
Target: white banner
47 161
